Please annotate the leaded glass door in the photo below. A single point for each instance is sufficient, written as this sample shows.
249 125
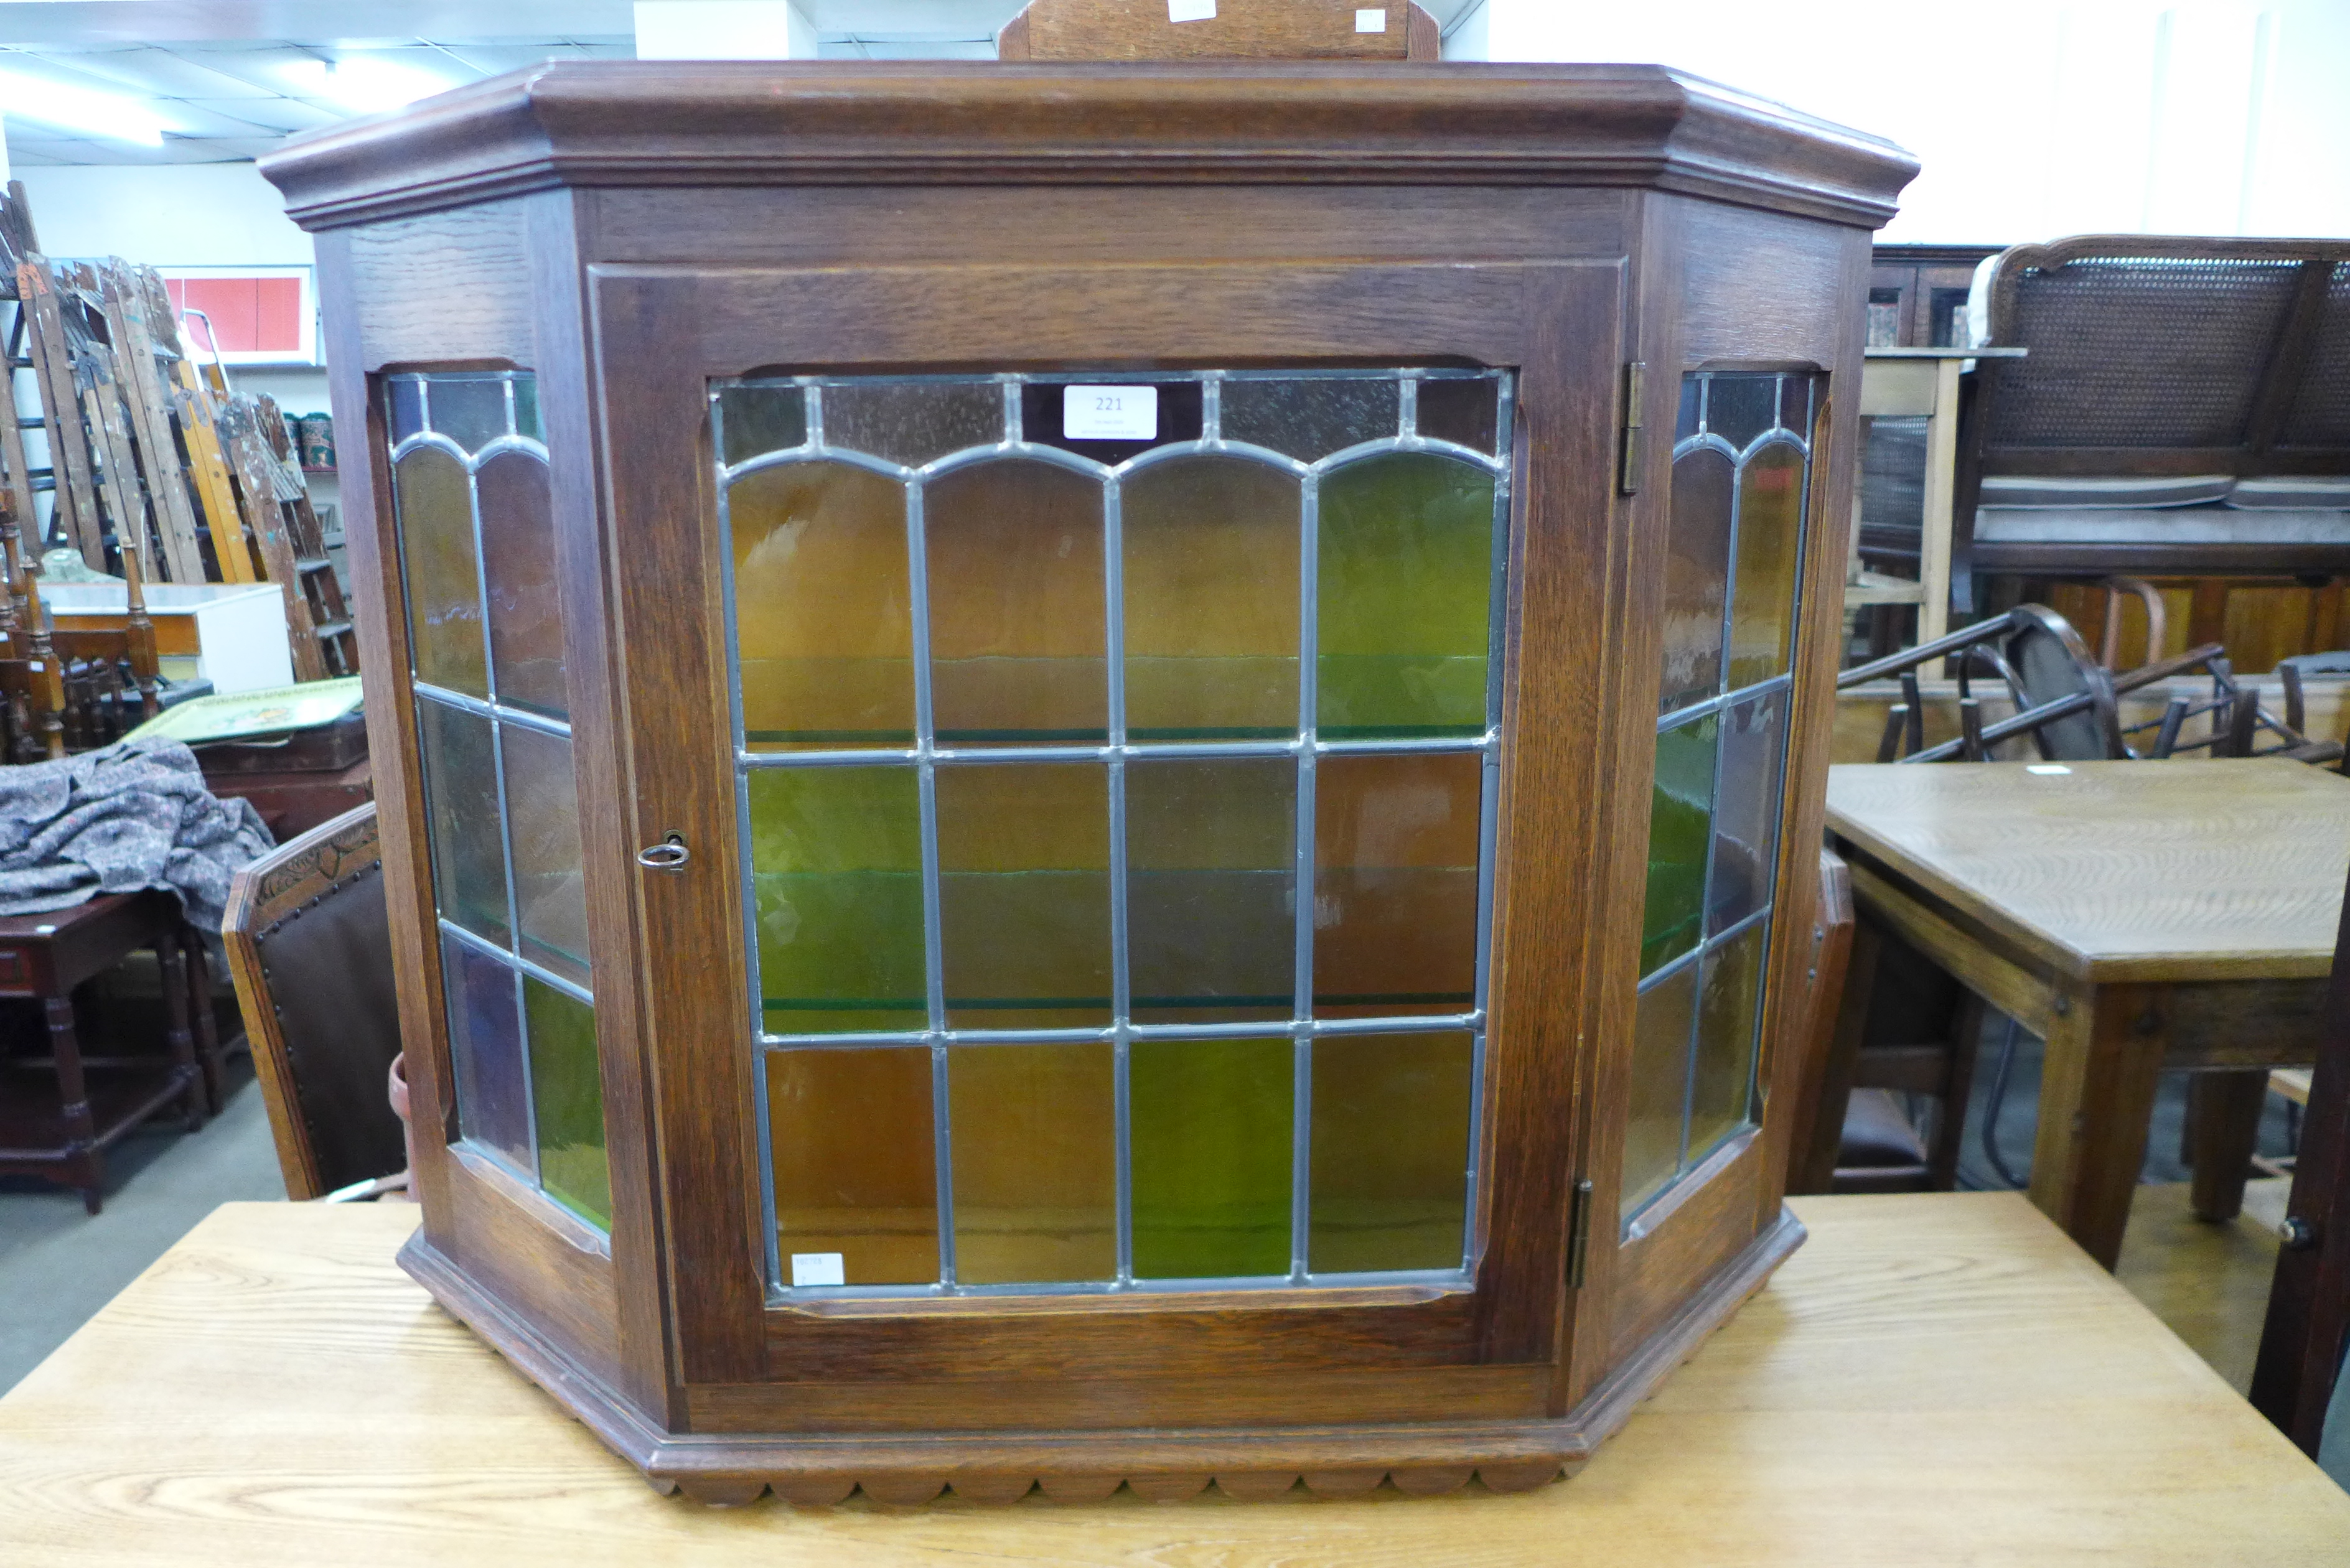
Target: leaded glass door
1118 771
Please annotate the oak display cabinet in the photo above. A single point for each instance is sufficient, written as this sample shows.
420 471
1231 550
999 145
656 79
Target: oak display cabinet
1100 773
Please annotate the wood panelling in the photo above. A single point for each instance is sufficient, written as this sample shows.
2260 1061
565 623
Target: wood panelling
444 290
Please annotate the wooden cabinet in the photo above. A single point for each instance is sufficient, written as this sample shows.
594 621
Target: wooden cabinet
1106 772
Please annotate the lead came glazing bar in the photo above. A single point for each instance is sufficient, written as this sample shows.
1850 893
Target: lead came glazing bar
1303 1027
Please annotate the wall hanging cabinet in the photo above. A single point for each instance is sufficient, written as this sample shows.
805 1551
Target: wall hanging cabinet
1099 773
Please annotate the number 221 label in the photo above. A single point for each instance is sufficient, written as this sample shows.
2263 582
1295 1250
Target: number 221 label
1109 413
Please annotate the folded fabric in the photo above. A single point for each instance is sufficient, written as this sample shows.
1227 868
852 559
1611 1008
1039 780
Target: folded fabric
2139 490
130 815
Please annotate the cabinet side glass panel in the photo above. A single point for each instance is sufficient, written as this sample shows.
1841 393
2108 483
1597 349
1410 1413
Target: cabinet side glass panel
477 534
1742 480
1116 922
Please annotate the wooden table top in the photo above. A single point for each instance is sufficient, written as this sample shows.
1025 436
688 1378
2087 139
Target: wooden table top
1937 1379
2120 871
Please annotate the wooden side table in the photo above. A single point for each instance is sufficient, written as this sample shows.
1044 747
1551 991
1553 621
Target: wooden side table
2137 916
62 1132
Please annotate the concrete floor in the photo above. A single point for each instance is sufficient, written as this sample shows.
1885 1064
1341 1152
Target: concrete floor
58 1264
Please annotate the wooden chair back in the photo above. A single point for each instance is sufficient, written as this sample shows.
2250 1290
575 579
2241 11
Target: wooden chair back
310 946
1825 1083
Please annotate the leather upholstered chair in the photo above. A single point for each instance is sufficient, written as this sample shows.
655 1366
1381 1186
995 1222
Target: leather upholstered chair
310 948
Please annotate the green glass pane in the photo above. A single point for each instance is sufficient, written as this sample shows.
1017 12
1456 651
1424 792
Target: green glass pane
525 406
434 502
526 602
1770 527
550 894
566 1093
1405 585
822 617
1034 1136
1210 600
461 807
1395 883
1722 1093
1697 576
837 863
1660 1061
1023 895
912 422
1746 825
755 420
1680 831
849 1133
1212 873
1390 1152
1017 628
1211 1125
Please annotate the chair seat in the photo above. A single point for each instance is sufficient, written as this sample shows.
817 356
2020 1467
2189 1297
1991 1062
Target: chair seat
1876 1134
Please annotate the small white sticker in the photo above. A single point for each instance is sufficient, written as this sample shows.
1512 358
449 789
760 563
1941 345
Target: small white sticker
816 1269
2047 768
1371 19
1190 10
1109 413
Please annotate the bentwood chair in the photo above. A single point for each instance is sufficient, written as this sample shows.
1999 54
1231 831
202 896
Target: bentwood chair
310 946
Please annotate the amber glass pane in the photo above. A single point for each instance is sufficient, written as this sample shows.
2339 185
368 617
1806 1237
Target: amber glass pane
543 808
1746 820
1463 410
1310 418
850 1135
1680 831
822 607
755 420
461 803
526 606
1740 407
470 413
1722 1088
1210 600
1211 1125
1395 882
1660 1065
1016 623
1035 1163
837 858
1390 1156
444 592
569 1093
486 1048
1023 895
912 422
1212 870
1770 525
1406 581
1696 570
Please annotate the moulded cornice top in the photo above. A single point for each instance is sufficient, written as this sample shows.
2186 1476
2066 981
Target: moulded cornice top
685 123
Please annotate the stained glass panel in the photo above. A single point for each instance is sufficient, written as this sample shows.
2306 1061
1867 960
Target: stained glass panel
1211 879
1210 597
435 504
1035 1163
1023 895
1390 1152
1406 585
849 1134
1211 1156
837 863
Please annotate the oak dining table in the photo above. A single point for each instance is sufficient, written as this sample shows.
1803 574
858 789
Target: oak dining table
2139 917
1931 1379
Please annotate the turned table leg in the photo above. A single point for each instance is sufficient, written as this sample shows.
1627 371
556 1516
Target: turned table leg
2096 1096
82 1159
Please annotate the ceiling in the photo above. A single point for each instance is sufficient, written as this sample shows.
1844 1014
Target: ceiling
227 81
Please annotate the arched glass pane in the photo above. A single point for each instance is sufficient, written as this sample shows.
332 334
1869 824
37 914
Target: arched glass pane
434 502
1210 581
1017 629
823 611
1406 587
525 603
1770 528
1697 576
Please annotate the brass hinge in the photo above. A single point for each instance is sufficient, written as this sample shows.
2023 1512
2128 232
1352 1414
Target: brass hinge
1578 1233
1628 478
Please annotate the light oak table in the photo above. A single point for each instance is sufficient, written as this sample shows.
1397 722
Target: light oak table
1939 1378
2136 916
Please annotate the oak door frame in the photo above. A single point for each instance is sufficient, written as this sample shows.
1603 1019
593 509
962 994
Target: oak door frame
661 333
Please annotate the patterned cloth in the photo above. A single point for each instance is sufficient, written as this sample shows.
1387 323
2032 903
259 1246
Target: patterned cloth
130 815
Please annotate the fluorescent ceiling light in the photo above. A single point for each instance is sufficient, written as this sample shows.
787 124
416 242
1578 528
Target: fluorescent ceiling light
363 83
90 113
